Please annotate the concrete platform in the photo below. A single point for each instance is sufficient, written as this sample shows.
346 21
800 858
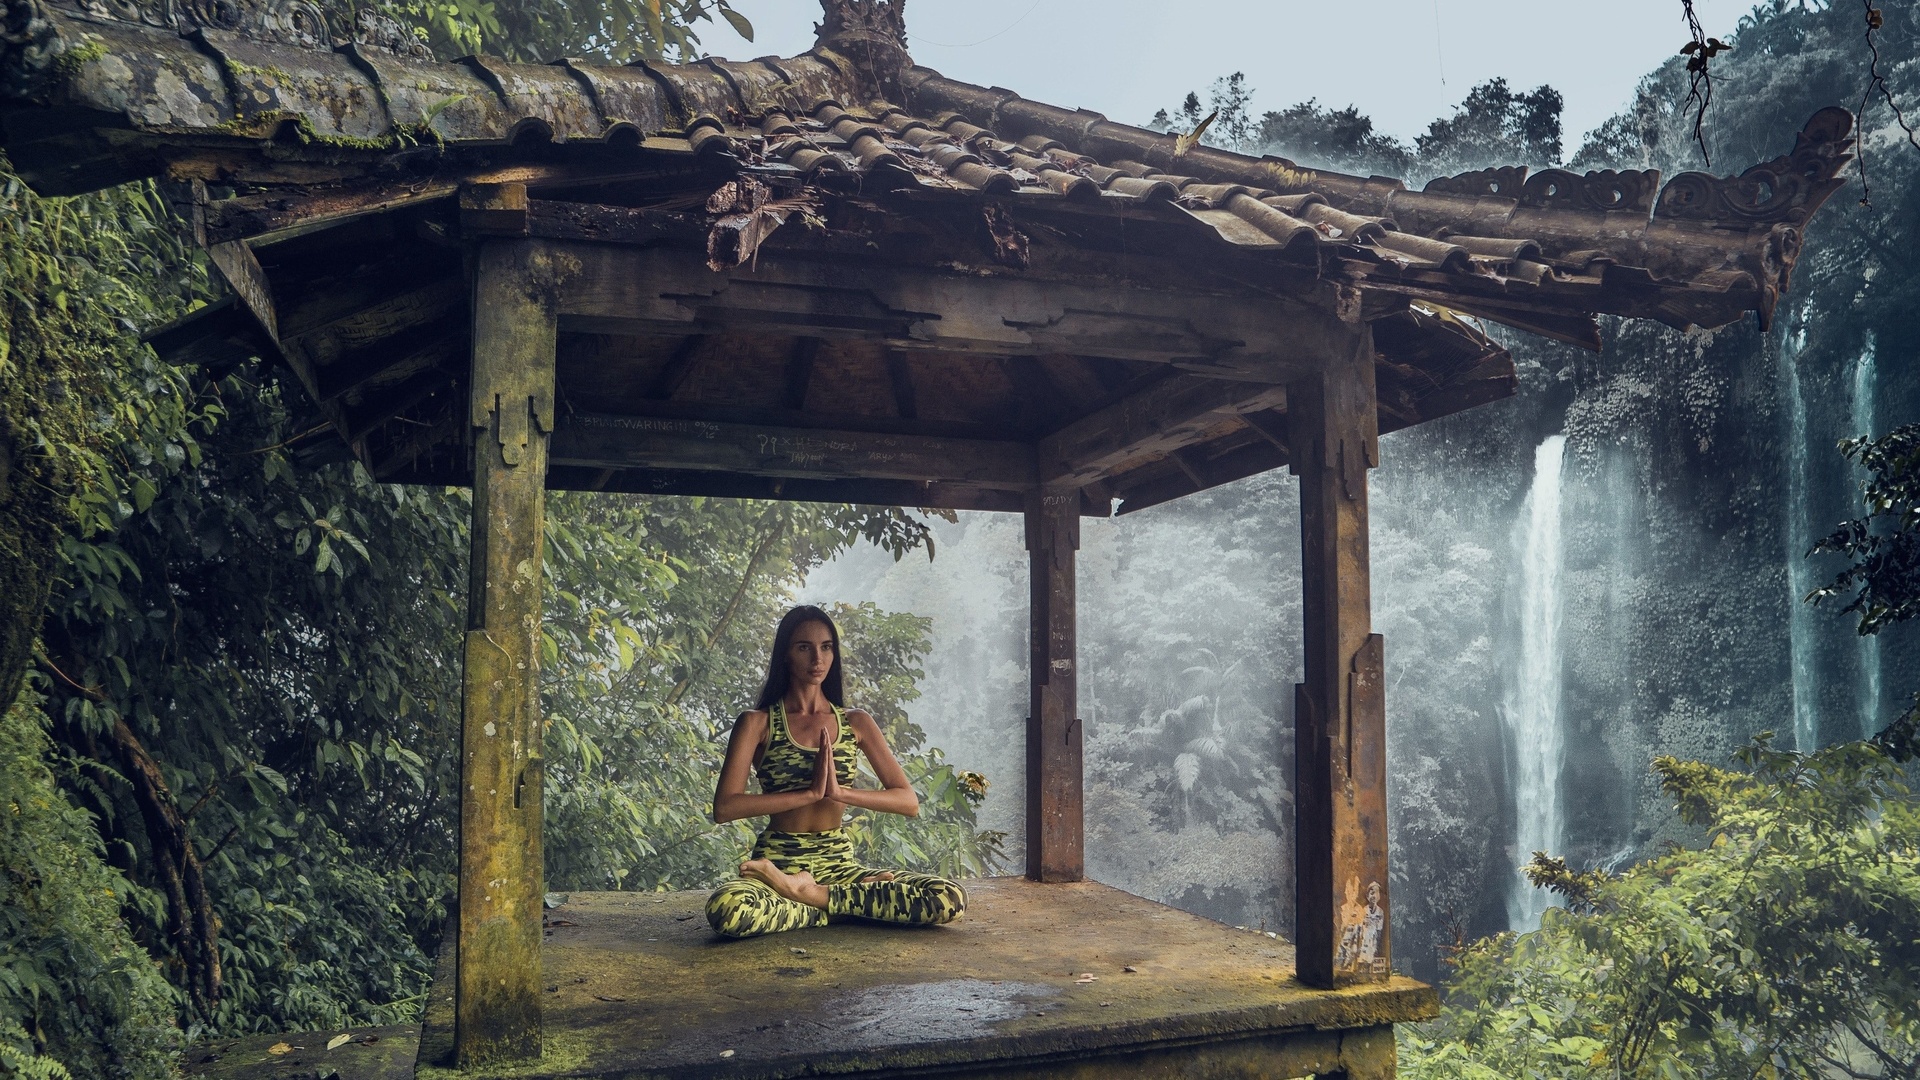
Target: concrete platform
1078 980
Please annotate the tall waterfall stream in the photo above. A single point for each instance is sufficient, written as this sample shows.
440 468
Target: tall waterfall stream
1532 709
1863 424
1799 537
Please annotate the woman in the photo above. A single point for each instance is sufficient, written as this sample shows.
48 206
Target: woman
801 740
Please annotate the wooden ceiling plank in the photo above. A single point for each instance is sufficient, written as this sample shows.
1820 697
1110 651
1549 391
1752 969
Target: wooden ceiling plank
1041 401
1191 465
1075 378
800 372
393 360
1175 412
392 301
905 404
679 367
358 425
1270 424
619 441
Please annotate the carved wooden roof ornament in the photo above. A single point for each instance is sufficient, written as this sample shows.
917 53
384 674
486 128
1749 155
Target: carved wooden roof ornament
872 35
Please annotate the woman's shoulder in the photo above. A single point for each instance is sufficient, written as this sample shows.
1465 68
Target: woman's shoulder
860 720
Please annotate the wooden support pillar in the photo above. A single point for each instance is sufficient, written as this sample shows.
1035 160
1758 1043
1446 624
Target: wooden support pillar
1056 850
502 872
1342 915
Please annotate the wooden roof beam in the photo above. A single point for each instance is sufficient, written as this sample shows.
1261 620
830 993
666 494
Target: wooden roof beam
1237 464
1171 414
647 291
628 442
934 495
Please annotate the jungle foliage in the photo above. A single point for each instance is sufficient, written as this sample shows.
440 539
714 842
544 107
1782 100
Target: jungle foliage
1882 546
1493 123
1787 945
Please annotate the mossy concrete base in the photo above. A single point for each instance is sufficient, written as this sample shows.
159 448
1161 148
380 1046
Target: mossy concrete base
1071 980
382 1053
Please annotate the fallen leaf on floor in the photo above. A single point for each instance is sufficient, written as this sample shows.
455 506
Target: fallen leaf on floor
338 1041
603 997
370 1039
662 900
1104 1004
796 950
1131 970
561 922
280 1048
1085 979
681 918
726 1053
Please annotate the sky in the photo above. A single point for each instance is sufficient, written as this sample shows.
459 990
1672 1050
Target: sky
1402 62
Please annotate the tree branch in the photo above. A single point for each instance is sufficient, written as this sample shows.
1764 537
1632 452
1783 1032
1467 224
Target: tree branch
192 926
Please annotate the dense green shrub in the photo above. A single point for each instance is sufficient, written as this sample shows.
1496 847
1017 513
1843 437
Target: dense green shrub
1788 945
78 995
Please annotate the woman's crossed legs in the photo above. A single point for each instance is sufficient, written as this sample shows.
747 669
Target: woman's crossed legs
795 880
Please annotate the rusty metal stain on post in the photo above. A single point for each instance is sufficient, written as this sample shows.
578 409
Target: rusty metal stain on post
497 1002
1055 786
1340 820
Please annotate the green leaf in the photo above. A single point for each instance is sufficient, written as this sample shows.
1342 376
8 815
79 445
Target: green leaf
739 22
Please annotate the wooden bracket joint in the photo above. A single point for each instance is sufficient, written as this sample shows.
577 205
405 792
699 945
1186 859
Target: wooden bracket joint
493 209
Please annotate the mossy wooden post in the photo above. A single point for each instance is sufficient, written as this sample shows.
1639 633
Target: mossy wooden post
1342 916
1055 819
502 876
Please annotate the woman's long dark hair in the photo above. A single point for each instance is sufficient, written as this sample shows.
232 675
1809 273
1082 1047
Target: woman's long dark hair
780 672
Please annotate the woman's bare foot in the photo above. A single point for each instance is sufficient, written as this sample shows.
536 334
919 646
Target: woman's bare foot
798 887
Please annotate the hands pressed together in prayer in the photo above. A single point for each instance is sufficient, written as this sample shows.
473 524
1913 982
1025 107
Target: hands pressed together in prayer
826 777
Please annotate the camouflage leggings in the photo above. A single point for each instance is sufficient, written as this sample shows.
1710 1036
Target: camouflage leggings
747 908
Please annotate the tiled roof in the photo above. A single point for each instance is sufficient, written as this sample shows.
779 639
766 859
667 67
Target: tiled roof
94 93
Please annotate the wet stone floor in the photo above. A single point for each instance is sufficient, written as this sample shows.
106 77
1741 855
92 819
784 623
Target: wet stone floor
1034 979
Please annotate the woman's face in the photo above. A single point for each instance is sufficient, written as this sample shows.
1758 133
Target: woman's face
810 653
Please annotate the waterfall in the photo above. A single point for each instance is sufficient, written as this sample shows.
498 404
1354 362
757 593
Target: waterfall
1806 716
1532 708
1863 424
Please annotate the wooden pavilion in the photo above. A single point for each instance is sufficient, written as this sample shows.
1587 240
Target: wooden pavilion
842 276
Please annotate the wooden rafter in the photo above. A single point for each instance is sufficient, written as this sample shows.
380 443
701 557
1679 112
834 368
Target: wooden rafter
604 441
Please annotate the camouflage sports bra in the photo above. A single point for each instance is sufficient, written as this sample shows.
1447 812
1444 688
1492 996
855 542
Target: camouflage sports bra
787 766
